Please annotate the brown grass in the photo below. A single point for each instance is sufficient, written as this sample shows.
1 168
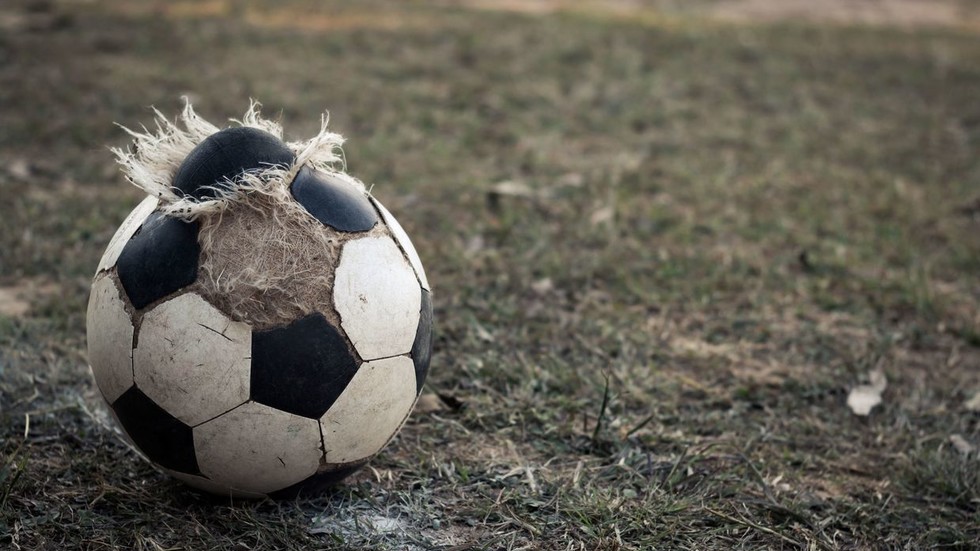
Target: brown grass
662 251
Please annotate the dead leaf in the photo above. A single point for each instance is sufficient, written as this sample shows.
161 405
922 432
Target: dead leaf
429 403
512 188
973 404
602 216
20 169
474 245
863 398
482 333
542 286
572 179
961 444
509 188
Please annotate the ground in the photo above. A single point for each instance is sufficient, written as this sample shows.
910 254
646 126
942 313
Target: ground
665 239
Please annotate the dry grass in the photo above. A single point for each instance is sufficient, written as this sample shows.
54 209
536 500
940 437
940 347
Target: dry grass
708 233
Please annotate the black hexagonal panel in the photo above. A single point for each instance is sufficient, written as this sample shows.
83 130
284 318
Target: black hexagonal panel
325 477
161 436
422 347
159 259
226 154
301 368
333 202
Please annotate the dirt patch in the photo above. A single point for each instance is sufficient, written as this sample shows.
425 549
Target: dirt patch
309 18
301 19
16 299
904 13
177 10
535 7
901 13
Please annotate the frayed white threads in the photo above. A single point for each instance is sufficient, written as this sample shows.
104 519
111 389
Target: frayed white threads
156 155
264 259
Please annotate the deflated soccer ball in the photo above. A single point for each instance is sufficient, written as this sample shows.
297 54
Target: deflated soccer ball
259 324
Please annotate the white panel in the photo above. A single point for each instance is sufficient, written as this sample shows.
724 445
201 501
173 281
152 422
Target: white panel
192 360
405 242
370 410
110 339
126 231
378 297
258 448
212 487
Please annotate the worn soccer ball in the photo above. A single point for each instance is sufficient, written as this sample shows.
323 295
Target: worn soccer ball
259 325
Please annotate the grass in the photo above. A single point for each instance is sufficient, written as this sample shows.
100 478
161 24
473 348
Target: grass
726 226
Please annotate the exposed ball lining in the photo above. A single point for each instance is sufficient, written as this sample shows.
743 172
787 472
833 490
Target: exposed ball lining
268 262
264 258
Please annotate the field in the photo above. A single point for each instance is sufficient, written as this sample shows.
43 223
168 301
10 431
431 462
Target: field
665 239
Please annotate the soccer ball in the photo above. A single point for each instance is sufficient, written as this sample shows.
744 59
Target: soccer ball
259 325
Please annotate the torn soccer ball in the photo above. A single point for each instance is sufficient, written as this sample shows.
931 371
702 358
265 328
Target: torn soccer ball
259 324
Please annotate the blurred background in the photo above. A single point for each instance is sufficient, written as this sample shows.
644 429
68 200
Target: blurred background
667 239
